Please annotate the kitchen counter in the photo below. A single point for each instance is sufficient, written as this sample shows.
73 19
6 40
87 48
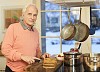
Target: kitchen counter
38 67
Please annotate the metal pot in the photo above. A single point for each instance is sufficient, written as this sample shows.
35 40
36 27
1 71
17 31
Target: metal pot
91 63
73 62
70 57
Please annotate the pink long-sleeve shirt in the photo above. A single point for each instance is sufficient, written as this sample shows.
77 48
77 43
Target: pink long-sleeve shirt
18 41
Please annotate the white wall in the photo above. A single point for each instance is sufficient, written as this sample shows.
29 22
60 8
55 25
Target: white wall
85 18
2 62
8 4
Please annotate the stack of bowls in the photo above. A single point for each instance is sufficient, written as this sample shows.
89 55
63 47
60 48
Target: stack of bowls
91 62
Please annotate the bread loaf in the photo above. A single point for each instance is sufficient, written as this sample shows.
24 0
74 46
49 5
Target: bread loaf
49 60
49 63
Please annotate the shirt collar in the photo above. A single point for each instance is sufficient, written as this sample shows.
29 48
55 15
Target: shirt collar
26 27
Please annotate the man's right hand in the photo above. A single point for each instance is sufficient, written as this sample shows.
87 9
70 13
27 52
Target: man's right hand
29 59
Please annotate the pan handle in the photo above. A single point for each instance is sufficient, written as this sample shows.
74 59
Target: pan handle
79 46
70 22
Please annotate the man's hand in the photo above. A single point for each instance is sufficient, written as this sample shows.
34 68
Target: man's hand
45 55
29 59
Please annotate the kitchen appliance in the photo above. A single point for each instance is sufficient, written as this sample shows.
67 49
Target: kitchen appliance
91 62
73 62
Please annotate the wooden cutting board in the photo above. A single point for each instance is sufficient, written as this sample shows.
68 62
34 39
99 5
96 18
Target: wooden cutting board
38 67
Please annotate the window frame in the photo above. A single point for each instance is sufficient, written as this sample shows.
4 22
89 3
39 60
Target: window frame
60 17
83 46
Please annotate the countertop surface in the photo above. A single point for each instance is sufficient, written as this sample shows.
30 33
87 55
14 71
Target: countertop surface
38 67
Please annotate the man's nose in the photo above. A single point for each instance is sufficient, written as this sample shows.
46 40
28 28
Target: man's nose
32 17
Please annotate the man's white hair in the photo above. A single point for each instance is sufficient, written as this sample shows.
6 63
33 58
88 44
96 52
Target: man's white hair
31 4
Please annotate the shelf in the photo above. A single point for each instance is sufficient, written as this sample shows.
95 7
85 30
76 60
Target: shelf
71 3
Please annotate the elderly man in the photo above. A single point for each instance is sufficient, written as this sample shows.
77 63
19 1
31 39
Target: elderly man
21 41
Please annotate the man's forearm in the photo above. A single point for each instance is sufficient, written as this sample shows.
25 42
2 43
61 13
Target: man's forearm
39 54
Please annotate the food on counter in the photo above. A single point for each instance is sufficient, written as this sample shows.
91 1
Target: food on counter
49 63
60 57
74 50
50 60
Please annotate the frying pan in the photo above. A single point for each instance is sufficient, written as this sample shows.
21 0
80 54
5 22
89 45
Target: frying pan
82 31
68 31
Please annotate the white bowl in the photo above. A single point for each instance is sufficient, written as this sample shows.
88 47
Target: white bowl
59 58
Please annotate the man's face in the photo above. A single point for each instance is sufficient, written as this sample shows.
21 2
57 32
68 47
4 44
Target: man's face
30 15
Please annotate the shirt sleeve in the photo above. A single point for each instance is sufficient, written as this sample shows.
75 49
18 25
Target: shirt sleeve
7 46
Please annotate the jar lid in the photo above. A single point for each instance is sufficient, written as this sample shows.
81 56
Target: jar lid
72 53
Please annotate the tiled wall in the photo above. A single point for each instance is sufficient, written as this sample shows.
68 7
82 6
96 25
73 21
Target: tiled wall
2 63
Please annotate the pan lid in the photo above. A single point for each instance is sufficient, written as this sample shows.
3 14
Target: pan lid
72 53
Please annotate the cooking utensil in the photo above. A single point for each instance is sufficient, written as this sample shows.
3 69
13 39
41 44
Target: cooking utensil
79 46
82 31
91 63
68 31
37 60
73 61
69 57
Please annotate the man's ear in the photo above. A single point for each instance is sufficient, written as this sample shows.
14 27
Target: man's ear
21 18
22 14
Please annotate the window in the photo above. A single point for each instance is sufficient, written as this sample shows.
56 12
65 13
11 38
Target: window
53 19
95 28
